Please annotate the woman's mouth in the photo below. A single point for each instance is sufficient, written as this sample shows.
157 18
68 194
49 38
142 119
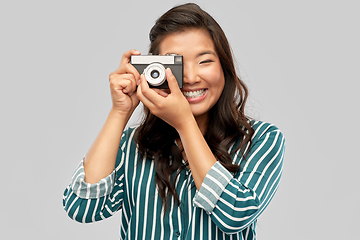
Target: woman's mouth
194 94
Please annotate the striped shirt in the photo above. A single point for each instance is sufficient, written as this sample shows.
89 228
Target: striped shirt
225 207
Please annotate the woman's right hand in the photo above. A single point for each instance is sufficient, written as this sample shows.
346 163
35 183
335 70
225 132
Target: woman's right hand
123 85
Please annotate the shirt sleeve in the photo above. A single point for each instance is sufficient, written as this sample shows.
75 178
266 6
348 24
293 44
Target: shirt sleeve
86 202
235 201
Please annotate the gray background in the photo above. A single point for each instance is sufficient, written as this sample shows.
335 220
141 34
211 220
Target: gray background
300 60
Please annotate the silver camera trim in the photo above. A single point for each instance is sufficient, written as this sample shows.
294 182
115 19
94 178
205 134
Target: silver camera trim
147 59
155 81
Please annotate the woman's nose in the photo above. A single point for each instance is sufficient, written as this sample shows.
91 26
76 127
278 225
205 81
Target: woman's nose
190 75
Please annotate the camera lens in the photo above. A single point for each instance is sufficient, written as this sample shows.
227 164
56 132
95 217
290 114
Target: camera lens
155 74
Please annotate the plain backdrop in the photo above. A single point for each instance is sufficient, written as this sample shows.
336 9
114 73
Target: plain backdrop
300 60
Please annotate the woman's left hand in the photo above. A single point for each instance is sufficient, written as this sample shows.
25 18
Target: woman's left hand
171 107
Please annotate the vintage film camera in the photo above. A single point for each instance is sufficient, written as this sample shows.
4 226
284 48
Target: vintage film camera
154 66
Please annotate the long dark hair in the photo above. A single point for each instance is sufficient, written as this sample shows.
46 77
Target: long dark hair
227 120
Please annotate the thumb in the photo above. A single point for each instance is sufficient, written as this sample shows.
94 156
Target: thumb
172 83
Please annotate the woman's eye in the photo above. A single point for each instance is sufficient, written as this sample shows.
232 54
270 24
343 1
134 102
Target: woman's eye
206 61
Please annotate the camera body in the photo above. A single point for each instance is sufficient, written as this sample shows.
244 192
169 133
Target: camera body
154 66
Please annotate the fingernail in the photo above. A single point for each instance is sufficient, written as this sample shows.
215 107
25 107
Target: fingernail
168 71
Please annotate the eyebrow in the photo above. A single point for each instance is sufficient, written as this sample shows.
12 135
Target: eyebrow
206 52
200 54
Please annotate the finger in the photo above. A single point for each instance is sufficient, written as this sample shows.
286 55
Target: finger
151 94
127 55
119 85
140 92
172 83
123 82
129 83
146 90
126 69
162 92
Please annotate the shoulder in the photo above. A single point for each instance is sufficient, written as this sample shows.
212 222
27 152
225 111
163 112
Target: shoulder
265 135
127 148
129 131
262 129
128 138
266 138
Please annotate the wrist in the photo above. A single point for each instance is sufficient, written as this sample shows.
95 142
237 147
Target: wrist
121 114
187 126
118 119
192 124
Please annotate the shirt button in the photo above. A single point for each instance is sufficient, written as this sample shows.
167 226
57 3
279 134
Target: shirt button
177 234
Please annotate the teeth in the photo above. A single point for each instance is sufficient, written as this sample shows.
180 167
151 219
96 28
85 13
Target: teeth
194 94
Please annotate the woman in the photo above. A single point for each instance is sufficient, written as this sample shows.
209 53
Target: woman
197 167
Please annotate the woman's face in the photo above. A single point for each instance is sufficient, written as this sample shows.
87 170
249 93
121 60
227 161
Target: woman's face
203 75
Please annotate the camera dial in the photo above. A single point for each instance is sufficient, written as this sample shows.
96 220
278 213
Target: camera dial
155 74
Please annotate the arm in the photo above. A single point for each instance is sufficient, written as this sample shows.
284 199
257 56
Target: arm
85 202
198 153
100 160
161 104
96 189
235 202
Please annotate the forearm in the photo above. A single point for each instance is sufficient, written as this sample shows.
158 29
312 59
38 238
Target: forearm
100 160
198 153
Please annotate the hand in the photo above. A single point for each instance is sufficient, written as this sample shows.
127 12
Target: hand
123 85
170 106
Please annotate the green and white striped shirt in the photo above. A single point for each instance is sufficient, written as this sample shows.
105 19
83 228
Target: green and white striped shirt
226 206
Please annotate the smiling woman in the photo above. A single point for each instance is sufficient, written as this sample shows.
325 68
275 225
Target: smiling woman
196 167
203 76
